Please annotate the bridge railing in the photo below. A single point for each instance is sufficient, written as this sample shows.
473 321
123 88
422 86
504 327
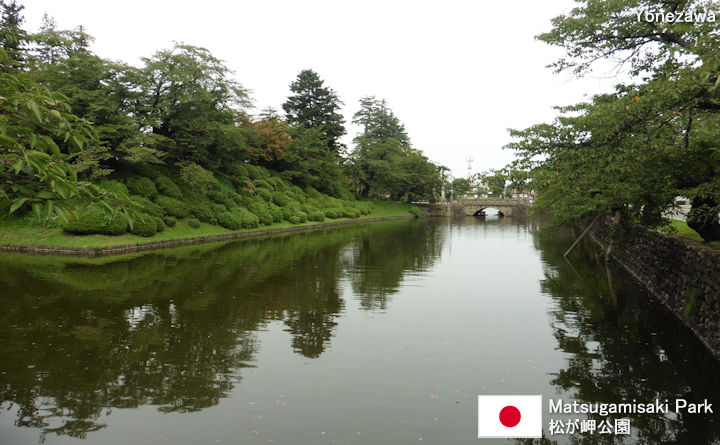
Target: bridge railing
525 201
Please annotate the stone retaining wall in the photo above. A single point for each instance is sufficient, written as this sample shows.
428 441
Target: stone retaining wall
151 245
682 274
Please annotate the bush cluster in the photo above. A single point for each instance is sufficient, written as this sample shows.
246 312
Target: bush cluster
160 224
97 219
203 213
281 199
264 194
316 215
114 186
331 213
250 196
261 210
167 187
144 225
415 211
172 206
148 206
140 185
230 220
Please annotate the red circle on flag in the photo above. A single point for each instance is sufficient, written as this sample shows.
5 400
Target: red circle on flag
509 416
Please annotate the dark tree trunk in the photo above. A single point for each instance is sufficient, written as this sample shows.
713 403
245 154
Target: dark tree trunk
703 218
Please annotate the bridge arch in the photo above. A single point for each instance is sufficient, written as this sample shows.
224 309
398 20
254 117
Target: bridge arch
483 211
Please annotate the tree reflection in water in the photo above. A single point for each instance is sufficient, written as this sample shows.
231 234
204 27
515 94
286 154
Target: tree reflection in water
175 328
622 346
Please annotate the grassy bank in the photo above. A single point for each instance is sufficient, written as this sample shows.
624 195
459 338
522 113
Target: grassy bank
684 231
17 232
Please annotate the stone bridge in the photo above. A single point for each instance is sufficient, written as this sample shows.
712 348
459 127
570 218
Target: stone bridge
470 207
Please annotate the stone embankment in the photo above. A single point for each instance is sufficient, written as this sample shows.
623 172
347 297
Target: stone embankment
682 274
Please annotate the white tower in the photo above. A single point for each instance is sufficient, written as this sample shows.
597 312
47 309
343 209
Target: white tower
469 161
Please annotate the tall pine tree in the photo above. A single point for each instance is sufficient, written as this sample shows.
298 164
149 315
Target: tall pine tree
315 106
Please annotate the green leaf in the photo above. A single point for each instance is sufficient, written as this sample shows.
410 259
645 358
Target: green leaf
17 204
37 209
78 141
33 106
17 166
50 144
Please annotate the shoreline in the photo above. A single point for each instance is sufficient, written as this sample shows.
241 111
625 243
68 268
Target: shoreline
680 274
178 242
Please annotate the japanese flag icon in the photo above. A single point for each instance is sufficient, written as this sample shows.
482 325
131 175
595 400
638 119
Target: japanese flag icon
509 416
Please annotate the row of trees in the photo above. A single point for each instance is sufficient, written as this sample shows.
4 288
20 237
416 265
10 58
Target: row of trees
181 106
631 152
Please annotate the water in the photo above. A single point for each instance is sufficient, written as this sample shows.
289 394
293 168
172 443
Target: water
377 333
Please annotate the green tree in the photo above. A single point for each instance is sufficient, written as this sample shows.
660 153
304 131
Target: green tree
313 105
12 36
190 104
630 152
33 171
379 122
495 180
383 163
460 187
308 162
50 45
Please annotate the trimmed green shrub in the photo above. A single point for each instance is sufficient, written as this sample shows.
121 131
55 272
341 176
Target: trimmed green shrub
193 222
167 187
331 213
281 199
230 220
278 183
238 170
148 206
317 215
415 211
312 193
293 211
217 196
140 185
346 195
144 225
364 208
256 172
350 212
287 212
114 186
236 199
170 221
247 218
203 213
160 224
172 206
265 194
297 193
97 219
261 183
196 176
275 212
262 212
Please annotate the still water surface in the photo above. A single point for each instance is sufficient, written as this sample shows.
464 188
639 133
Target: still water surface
376 333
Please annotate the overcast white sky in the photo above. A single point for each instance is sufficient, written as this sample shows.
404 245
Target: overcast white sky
458 73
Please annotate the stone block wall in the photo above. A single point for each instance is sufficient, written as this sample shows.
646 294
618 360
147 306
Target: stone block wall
682 274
